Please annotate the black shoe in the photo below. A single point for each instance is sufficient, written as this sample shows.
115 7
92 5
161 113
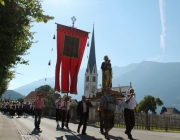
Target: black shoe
126 132
84 133
37 128
106 136
130 136
67 127
103 133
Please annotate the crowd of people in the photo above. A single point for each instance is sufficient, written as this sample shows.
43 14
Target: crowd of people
17 109
106 110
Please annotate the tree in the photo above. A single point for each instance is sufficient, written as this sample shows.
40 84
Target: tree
5 78
16 18
1 2
163 110
46 88
49 100
21 100
149 103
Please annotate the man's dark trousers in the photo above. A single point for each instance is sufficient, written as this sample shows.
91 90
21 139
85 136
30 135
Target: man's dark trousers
65 117
83 121
37 120
58 114
129 120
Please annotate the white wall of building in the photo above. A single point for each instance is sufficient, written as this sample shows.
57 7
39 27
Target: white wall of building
90 82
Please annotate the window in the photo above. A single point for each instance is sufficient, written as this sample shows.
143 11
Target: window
94 70
94 79
87 79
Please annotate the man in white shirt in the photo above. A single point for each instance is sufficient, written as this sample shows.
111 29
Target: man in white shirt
58 111
65 111
130 107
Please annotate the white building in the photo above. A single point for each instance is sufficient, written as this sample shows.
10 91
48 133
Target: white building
91 75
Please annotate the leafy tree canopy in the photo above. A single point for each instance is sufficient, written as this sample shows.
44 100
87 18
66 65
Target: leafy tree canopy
21 100
49 100
46 88
16 18
149 103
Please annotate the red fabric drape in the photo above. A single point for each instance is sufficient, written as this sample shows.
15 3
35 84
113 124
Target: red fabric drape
69 57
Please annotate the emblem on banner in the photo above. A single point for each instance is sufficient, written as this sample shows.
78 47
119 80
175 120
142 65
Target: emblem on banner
71 46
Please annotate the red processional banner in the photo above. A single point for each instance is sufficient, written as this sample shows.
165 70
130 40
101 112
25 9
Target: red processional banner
71 43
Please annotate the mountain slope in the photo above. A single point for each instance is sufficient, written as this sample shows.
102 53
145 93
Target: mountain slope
156 79
12 95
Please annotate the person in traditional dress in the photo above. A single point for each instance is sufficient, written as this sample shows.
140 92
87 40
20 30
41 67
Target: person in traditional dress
107 105
26 109
65 111
19 110
32 109
58 111
12 109
106 73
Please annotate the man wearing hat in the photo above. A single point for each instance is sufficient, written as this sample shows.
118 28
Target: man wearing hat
39 109
130 107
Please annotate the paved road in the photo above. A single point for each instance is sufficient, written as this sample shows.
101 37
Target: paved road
25 127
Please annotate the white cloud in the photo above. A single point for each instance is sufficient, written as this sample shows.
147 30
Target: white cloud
162 16
154 58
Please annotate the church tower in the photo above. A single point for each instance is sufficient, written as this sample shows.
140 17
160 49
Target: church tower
91 75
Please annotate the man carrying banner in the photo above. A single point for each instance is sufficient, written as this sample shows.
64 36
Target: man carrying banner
65 111
58 111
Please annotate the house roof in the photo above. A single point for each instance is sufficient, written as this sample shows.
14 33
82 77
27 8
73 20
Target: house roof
92 54
33 95
171 110
124 89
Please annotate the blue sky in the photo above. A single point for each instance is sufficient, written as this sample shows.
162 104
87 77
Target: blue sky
128 31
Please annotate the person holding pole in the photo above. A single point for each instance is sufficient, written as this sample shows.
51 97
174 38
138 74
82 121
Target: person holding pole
58 111
65 111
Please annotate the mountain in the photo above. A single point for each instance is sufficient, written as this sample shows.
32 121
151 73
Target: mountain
148 78
12 95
